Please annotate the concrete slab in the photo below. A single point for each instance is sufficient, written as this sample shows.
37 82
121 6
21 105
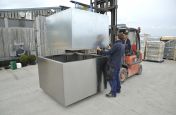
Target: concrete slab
152 93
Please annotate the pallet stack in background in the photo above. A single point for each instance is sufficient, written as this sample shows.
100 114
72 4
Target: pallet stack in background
154 51
170 50
143 43
144 38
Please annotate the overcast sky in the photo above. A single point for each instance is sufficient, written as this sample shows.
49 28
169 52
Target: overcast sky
155 17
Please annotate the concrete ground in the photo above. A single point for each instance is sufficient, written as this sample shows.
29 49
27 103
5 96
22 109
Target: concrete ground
152 93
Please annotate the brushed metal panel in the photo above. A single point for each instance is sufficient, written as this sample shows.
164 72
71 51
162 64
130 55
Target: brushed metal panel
59 30
77 29
69 80
88 28
80 80
51 78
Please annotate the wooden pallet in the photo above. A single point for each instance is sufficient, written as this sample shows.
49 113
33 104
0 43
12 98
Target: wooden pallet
166 58
154 61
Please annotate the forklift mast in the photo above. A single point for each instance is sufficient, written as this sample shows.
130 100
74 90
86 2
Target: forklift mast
104 6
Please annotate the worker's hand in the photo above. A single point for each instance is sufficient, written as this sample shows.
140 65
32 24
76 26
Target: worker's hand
109 47
98 48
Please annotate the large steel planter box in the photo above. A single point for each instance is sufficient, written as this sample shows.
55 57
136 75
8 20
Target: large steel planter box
68 78
77 29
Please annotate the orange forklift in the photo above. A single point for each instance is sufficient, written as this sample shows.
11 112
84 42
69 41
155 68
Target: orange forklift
132 62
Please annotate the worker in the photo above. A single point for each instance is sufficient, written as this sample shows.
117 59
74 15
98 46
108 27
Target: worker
20 51
101 63
115 54
127 43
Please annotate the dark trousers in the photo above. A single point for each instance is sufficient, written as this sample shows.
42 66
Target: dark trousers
101 72
115 82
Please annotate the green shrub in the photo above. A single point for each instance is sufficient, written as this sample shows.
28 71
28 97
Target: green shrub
32 59
23 58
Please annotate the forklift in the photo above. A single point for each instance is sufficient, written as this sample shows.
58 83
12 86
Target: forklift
131 63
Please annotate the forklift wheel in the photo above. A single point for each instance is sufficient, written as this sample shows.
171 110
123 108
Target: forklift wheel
123 74
140 70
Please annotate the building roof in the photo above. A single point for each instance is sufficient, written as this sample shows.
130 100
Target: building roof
167 38
30 13
30 9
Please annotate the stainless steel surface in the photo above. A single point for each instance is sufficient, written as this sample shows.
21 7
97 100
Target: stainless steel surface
51 78
59 30
77 29
68 78
80 80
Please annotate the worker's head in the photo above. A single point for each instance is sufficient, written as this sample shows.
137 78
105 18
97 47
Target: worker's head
120 36
126 35
100 37
21 46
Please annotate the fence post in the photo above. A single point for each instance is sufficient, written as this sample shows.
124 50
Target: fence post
38 36
6 22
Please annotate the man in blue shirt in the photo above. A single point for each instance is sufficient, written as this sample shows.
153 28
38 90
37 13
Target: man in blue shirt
127 43
115 54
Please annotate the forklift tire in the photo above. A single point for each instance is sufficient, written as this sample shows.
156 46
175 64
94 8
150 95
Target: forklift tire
140 70
123 74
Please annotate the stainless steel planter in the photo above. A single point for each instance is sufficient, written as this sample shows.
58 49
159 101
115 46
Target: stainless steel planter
69 78
77 29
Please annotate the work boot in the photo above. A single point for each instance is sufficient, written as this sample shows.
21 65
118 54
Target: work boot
110 94
118 91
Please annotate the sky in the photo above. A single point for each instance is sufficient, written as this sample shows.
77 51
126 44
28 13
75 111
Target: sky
155 17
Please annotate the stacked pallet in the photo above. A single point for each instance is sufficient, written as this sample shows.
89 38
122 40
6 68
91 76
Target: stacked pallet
143 44
170 50
143 40
154 51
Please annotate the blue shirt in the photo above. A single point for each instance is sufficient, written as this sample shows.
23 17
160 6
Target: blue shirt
127 45
116 53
